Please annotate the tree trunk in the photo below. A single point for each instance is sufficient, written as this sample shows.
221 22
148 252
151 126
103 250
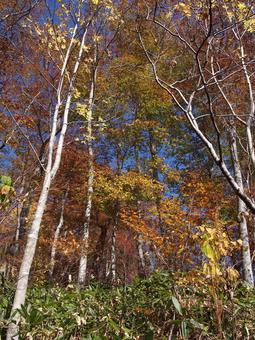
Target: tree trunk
141 255
113 251
140 242
242 209
22 214
85 241
111 263
151 257
99 258
56 237
50 172
19 211
155 176
21 289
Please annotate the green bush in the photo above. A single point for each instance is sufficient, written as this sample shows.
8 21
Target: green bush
152 308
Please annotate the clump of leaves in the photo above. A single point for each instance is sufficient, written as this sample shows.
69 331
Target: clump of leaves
6 190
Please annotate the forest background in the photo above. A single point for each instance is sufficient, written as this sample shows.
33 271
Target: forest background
127 169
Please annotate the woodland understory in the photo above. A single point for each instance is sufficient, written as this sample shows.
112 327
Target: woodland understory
127 169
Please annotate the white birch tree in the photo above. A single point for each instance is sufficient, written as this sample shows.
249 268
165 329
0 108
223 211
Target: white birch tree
53 161
90 182
209 85
56 235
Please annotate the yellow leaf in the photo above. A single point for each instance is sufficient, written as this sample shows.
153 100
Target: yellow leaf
5 189
232 273
241 6
239 242
184 8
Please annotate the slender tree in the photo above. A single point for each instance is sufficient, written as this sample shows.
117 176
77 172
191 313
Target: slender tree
53 162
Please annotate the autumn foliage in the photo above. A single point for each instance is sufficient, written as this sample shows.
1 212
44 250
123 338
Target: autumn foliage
127 161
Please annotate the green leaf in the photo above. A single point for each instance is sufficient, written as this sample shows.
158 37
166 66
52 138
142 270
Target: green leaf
114 325
149 335
208 251
184 329
177 305
198 325
6 180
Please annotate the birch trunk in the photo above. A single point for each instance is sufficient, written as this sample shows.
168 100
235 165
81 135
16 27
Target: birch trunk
250 119
111 269
22 214
141 255
84 251
242 209
85 241
19 211
56 236
27 260
113 251
155 176
111 263
100 256
50 172
140 241
107 268
152 258
54 245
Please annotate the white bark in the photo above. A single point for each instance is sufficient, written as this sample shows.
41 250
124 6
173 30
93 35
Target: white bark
218 160
113 252
56 236
111 263
151 257
85 241
252 103
107 268
19 209
50 172
28 256
140 241
246 254
141 252
54 245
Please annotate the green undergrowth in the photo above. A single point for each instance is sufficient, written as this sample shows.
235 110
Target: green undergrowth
151 308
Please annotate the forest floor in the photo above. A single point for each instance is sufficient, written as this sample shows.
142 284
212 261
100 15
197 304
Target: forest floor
157 307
